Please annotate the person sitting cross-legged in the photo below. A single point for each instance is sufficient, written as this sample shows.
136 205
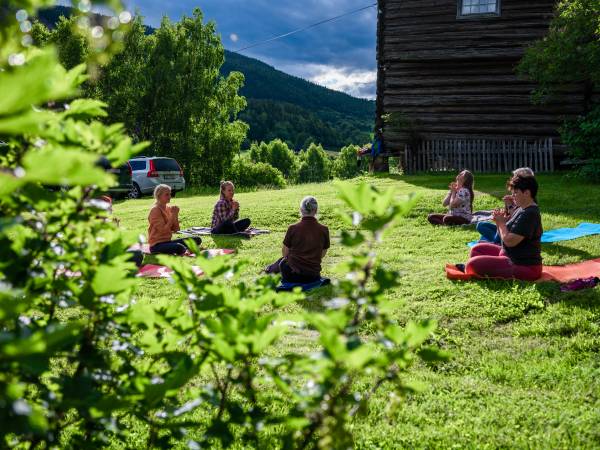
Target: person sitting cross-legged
226 212
304 246
459 201
489 230
519 257
163 222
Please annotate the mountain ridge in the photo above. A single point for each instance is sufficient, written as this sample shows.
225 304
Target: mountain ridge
281 105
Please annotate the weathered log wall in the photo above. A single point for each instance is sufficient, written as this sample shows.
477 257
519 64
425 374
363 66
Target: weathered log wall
454 78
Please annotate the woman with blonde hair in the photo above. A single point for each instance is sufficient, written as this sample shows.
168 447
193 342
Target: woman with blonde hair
163 221
227 211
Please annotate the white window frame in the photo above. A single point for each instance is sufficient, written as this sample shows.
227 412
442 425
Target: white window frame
460 15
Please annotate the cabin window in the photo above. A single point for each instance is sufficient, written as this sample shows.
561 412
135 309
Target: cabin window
478 7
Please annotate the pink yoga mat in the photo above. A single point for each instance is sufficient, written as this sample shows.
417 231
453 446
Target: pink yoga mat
560 274
155 271
210 252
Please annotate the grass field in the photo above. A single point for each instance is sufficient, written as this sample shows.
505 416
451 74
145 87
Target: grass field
525 366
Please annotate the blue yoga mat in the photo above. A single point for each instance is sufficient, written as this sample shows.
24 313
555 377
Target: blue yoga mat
305 286
564 234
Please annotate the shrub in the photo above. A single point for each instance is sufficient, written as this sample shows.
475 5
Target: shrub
583 139
277 154
83 365
314 166
284 159
347 164
244 172
259 152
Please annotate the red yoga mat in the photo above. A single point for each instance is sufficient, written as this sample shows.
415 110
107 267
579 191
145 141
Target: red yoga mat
560 274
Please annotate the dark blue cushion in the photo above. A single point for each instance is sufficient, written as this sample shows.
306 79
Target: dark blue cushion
305 286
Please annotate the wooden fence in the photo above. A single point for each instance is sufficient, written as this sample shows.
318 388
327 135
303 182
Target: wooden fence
491 156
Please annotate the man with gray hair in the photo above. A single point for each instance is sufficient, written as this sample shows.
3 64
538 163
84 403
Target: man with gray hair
304 246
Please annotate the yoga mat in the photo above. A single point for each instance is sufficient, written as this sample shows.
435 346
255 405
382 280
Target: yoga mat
563 234
305 286
481 216
156 271
209 253
560 274
206 231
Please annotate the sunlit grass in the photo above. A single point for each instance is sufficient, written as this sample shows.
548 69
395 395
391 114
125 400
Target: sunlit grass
525 371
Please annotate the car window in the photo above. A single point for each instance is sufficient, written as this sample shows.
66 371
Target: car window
163 165
138 165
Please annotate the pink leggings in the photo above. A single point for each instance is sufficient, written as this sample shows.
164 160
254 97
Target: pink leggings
489 260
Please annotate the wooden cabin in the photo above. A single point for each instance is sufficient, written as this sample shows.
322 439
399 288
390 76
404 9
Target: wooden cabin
446 79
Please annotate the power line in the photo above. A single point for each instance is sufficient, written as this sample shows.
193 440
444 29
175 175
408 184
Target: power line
331 19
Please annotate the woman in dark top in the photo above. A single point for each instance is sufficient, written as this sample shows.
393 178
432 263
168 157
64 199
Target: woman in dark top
304 247
519 256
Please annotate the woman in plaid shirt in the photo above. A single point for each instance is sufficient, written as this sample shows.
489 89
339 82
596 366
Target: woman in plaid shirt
227 211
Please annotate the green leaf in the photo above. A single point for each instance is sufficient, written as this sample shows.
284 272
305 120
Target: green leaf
267 338
85 108
224 349
352 239
59 167
43 341
31 122
111 280
417 333
39 80
358 358
9 183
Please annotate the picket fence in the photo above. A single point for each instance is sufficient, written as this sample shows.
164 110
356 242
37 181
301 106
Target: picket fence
481 156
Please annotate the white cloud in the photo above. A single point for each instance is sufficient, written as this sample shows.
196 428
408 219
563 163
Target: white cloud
357 82
354 81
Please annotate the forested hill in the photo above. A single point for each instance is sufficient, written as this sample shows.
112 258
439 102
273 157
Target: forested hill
287 107
298 111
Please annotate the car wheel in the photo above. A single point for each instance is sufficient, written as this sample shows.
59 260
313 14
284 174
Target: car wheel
135 191
173 192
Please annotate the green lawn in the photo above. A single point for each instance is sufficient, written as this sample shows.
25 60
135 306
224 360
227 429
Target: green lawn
525 366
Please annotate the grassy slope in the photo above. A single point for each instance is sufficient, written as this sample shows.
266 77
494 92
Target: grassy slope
525 371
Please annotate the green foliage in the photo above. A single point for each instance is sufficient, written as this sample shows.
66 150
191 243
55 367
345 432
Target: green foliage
72 47
58 253
570 52
83 364
583 138
315 165
244 172
297 111
166 88
347 164
277 154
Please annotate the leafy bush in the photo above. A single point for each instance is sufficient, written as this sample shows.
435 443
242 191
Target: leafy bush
569 52
244 172
259 152
284 159
314 166
347 164
277 154
82 364
167 88
583 139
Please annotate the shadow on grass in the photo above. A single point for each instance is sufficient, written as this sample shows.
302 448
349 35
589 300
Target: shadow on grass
559 194
555 249
230 242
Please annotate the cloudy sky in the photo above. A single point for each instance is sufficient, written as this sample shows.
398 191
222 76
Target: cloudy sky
339 54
